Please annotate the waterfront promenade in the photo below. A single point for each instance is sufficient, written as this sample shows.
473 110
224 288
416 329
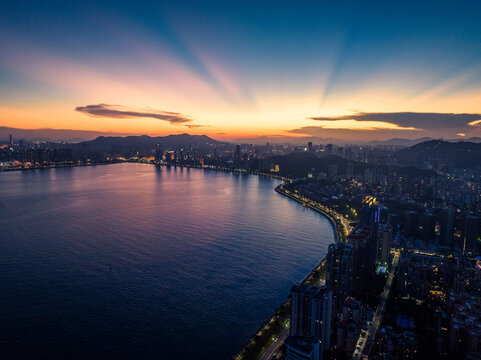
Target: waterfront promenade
276 338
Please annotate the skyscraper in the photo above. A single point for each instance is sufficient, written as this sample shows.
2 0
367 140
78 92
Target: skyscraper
429 225
158 153
302 348
470 233
360 239
370 218
311 312
237 154
447 227
329 148
370 212
349 171
410 223
339 273
384 240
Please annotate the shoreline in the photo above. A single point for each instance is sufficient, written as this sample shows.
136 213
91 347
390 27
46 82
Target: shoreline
280 190
285 305
319 268
201 167
59 166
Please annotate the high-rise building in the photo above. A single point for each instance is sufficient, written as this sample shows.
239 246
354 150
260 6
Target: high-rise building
329 148
447 227
360 239
465 328
311 313
370 212
349 171
309 146
302 348
470 232
410 223
339 273
10 139
371 218
384 240
348 153
237 154
393 220
429 226
368 176
350 324
158 153
383 214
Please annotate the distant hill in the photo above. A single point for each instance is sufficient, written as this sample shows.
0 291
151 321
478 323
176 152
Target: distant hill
54 135
461 154
141 143
398 142
300 163
410 142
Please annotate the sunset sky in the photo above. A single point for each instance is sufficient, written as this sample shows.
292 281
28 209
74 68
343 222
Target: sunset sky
236 69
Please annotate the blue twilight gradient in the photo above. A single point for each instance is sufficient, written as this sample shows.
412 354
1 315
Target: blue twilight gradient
275 42
242 69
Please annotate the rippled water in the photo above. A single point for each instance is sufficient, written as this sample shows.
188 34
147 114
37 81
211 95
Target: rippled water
132 261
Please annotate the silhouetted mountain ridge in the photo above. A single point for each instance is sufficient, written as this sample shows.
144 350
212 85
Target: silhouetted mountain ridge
300 163
145 142
461 154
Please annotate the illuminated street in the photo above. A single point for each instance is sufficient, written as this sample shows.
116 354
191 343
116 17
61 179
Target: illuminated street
364 343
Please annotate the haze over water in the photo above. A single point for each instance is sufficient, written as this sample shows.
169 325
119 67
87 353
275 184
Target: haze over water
133 261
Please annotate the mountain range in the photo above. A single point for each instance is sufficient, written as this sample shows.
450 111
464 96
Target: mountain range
118 144
54 135
461 154
75 136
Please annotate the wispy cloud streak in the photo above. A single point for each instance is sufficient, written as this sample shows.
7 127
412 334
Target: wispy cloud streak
118 112
426 121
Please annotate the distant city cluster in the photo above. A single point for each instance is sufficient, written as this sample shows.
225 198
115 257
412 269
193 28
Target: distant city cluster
402 280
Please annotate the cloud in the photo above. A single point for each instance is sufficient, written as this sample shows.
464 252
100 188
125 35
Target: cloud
193 126
119 112
425 121
353 134
361 125
474 123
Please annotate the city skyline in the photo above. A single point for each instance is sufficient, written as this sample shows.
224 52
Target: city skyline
234 71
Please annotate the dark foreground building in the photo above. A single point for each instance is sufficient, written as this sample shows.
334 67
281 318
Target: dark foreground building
311 313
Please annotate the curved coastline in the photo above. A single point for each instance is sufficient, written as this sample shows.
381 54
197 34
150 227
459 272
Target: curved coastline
320 267
280 189
278 316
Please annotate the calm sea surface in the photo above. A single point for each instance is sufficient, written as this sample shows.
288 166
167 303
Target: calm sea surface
132 261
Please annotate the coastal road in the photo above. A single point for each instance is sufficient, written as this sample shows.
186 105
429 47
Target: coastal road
319 208
275 346
365 341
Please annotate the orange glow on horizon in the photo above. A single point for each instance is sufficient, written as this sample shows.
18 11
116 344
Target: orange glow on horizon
229 108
